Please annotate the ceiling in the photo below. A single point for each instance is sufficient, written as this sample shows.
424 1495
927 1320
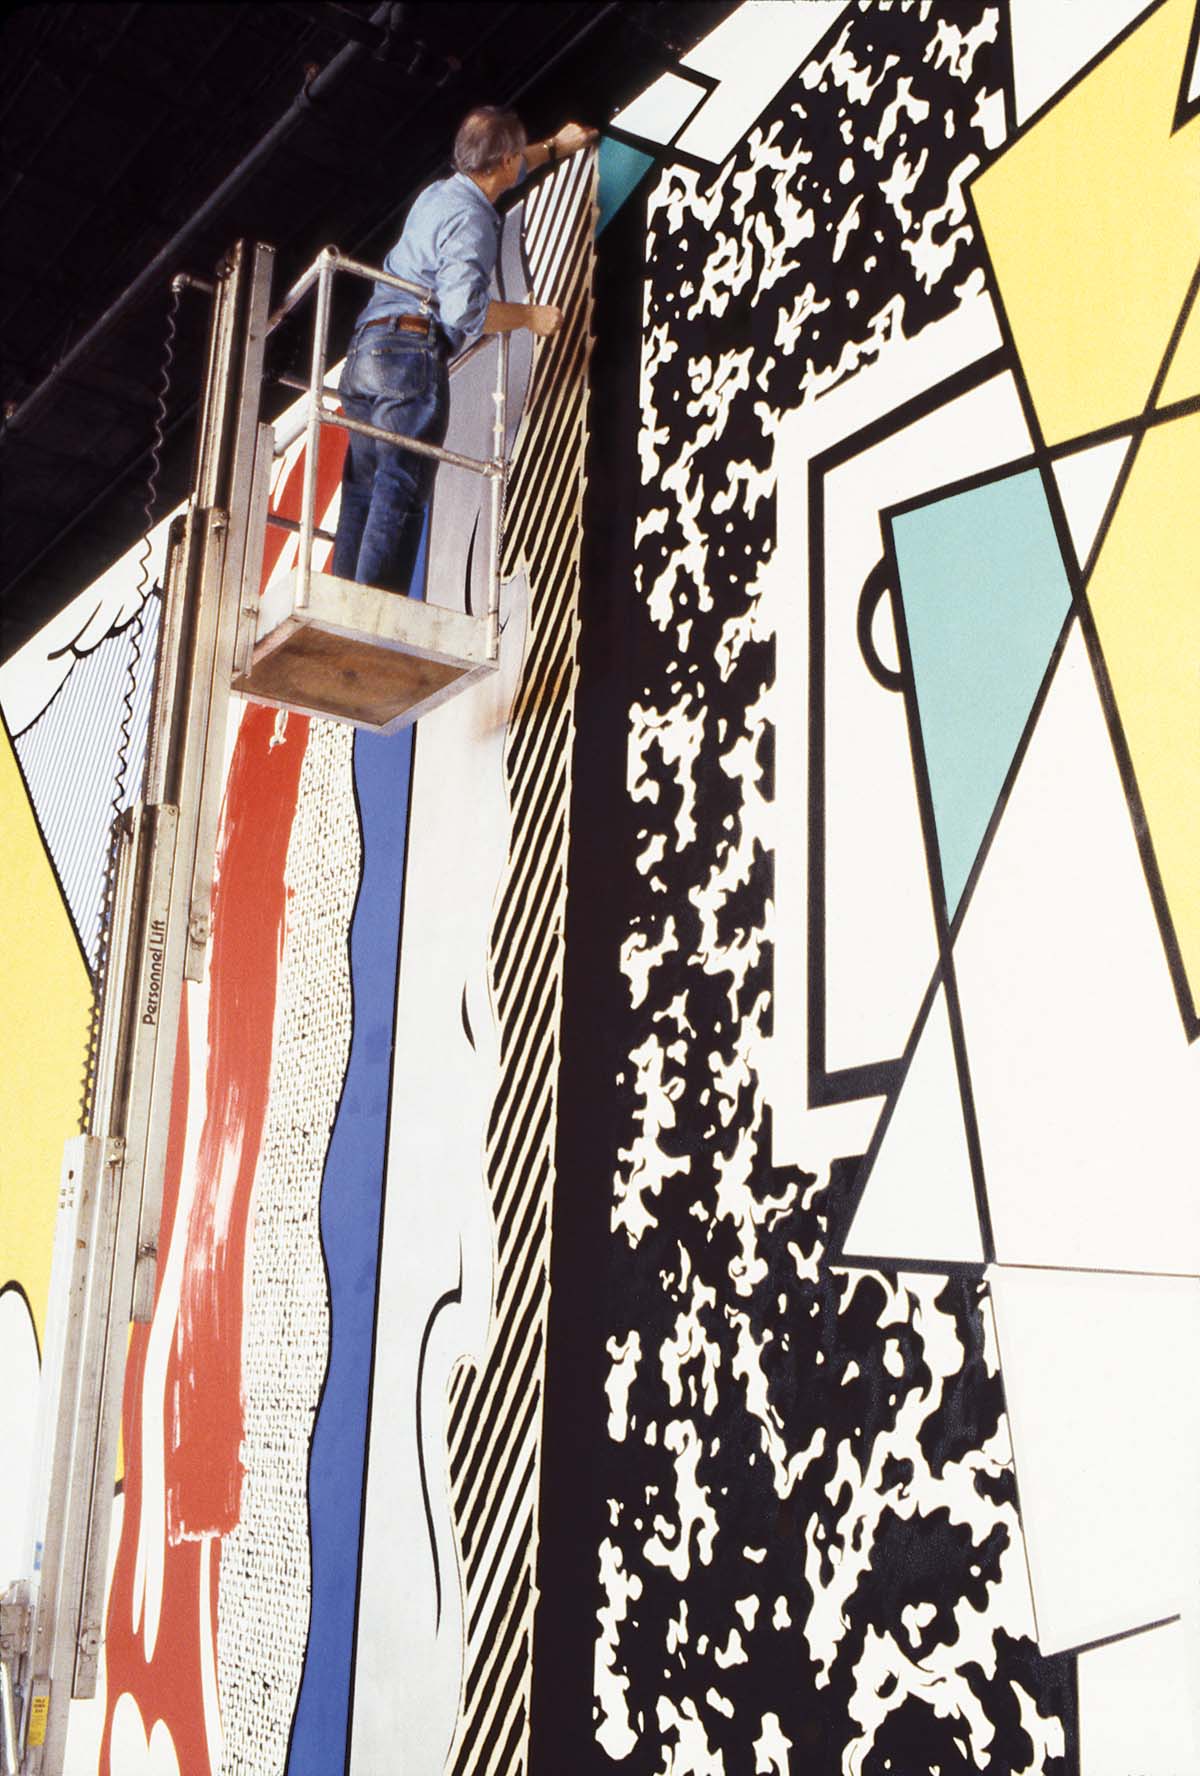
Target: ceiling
118 122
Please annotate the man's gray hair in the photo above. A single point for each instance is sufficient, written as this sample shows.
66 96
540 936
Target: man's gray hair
486 136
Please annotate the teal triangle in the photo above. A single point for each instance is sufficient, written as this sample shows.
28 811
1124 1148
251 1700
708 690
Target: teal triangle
620 171
985 596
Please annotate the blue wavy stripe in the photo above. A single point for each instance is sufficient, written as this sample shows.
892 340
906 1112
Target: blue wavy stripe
351 1208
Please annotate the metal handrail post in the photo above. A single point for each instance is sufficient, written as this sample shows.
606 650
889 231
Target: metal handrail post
298 290
497 490
308 498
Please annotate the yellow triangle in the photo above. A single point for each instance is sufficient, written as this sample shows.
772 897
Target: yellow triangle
1091 223
45 996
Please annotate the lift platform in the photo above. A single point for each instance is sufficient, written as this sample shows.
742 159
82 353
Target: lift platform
327 646
359 655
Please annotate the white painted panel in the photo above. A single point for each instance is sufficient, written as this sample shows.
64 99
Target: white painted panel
658 113
1137 1705
1099 1380
919 1202
1086 1089
1085 481
1053 39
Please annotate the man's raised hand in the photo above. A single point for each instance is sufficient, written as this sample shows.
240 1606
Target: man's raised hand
572 137
544 320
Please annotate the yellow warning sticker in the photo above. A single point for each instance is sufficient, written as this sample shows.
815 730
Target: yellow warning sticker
39 1709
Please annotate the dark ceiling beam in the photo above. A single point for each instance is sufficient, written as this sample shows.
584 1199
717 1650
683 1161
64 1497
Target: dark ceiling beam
332 17
167 258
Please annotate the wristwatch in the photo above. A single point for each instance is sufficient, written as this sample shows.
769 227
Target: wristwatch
551 149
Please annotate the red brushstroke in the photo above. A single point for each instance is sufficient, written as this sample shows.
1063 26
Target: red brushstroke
168 1688
249 920
202 1417
203 1406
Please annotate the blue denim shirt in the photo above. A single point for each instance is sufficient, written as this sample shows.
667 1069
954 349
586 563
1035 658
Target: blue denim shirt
449 246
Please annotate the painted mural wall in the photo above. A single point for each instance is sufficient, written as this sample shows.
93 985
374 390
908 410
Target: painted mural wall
681 1224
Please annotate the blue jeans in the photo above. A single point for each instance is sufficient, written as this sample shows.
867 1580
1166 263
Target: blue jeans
397 381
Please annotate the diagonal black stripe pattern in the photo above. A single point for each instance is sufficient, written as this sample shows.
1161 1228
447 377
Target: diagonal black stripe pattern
495 1409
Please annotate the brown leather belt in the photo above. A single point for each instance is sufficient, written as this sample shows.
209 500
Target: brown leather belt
404 323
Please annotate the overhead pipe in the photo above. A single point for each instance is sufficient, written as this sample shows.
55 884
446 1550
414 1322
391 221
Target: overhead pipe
386 17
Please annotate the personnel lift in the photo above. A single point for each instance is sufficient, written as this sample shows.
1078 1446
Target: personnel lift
328 646
313 643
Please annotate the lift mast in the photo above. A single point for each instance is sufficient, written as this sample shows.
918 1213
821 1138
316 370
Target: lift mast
106 1245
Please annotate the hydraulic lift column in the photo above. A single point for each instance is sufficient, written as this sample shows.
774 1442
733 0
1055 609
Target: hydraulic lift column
106 1247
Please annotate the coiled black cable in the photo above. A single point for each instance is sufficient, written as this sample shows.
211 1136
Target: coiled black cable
137 628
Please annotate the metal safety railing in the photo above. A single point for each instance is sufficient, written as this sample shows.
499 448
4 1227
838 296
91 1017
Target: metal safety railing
321 410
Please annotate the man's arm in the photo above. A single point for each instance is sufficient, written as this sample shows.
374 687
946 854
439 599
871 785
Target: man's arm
540 318
509 317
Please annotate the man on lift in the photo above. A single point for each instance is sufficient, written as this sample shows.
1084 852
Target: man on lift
395 374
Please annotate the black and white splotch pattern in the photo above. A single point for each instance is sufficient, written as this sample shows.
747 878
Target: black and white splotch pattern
812 1560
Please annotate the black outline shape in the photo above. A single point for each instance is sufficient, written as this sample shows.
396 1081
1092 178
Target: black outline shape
1125 428
1091 1646
449 1297
466 1022
1136 425
1186 109
836 1253
873 1078
1122 1270
1003 50
468 573
80 654
876 587
14 1287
